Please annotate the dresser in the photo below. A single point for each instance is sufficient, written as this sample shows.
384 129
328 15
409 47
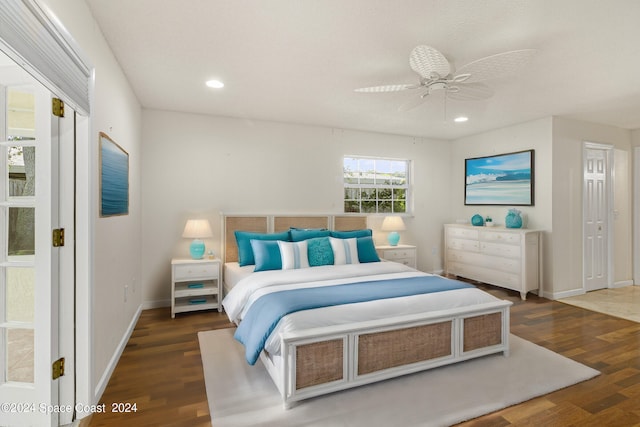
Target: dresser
505 257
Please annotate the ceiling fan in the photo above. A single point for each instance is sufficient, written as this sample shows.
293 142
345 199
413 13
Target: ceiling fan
466 83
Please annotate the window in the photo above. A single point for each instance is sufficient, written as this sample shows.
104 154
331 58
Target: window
375 185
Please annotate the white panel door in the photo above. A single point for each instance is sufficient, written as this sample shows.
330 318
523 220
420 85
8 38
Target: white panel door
596 218
28 261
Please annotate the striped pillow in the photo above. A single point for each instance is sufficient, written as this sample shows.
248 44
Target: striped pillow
293 254
345 251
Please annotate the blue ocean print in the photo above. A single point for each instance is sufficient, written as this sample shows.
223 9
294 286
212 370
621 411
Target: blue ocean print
500 180
114 179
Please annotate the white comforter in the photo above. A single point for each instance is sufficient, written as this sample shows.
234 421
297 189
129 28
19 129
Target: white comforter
238 301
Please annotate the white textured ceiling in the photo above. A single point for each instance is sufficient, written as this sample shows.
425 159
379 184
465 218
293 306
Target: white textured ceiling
298 61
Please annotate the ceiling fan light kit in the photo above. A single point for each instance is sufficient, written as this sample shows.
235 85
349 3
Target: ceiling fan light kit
437 74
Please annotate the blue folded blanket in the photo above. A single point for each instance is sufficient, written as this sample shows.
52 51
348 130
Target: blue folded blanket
265 313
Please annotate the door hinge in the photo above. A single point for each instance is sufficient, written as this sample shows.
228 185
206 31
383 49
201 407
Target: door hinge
57 107
58 237
58 368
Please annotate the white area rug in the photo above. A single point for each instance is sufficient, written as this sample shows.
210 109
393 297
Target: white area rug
242 395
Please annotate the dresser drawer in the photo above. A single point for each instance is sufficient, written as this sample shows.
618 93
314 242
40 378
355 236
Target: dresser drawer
509 265
500 237
498 249
500 278
475 258
465 233
195 271
463 245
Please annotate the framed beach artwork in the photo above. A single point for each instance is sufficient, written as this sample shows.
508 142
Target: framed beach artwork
503 179
114 178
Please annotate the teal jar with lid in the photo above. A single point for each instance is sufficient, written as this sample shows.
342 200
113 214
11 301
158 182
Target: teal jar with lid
513 219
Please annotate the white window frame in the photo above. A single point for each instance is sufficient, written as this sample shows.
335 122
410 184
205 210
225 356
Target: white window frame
359 186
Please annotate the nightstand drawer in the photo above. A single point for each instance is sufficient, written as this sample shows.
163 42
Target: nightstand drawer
398 254
402 254
406 261
194 271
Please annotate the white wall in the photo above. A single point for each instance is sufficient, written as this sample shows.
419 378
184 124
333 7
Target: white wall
199 166
113 243
568 138
530 135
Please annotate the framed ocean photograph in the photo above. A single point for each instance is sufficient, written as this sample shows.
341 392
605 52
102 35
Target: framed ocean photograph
114 178
503 179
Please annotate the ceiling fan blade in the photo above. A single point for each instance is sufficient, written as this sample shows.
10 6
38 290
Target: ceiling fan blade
497 65
429 62
469 92
386 88
414 102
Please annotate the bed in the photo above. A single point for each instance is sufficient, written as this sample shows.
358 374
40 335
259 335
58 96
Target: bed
378 334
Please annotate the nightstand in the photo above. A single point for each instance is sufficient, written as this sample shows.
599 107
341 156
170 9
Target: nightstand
195 285
404 254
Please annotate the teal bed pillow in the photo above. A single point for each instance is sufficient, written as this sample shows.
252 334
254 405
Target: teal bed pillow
243 239
367 250
365 232
266 254
299 234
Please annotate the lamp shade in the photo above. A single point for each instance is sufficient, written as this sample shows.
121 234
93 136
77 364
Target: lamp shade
197 229
393 224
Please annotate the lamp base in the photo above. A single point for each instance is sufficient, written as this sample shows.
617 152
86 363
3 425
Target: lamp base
393 238
196 249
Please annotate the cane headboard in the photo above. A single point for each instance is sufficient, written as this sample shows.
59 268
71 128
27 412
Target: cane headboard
281 222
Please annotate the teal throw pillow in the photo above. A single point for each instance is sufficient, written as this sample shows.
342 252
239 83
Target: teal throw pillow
319 251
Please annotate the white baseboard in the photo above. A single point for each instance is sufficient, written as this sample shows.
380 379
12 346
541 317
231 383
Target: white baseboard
622 284
574 292
563 294
104 380
148 305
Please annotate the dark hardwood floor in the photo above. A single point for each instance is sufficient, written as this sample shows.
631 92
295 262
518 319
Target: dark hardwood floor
161 372
160 369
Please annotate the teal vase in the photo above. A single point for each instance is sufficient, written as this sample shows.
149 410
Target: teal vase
513 220
477 220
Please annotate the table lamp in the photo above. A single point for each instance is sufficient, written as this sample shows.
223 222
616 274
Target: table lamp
197 229
393 224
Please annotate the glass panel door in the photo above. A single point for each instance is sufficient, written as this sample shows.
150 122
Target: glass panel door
28 263
17 204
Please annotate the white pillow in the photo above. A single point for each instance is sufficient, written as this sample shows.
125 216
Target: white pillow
345 251
294 254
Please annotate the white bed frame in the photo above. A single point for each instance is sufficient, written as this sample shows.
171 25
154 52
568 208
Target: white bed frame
324 360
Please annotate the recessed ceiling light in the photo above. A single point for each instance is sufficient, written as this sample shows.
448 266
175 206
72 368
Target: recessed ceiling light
461 119
216 84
